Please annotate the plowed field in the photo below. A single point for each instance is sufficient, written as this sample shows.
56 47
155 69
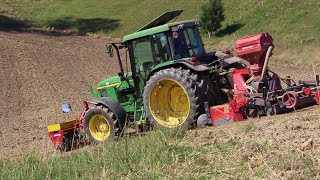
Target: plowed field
39 72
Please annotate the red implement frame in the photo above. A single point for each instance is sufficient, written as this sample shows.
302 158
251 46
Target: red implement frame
57 136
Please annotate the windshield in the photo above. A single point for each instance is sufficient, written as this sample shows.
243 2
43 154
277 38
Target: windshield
187 43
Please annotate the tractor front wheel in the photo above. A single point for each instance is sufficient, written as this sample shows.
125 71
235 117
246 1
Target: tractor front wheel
171 98
100 124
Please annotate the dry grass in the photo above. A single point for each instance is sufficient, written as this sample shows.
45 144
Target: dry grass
284 146
278 147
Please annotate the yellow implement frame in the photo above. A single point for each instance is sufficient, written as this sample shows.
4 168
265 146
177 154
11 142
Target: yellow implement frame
63 125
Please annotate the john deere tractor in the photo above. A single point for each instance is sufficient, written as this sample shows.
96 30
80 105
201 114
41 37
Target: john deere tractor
171 83
172 79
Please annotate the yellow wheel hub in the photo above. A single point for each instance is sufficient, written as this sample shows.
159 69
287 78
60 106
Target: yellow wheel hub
99 127
169 103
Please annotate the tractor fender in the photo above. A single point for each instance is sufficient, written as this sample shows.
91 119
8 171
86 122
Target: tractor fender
192 66
179 63
113 105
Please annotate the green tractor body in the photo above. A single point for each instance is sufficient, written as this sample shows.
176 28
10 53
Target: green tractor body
157 46
172 81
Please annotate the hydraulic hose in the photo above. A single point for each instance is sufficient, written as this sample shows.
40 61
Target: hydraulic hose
266 61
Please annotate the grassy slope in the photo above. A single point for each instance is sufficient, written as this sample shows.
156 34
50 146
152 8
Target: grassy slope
265 148
295 25
131 14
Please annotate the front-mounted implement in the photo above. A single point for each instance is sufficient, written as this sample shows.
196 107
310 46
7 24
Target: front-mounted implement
171 81
66 135
101 119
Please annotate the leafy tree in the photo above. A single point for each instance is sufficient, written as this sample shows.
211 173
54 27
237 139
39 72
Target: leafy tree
212 16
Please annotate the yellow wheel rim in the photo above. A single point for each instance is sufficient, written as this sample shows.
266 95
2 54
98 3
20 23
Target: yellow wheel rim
99 127
169 103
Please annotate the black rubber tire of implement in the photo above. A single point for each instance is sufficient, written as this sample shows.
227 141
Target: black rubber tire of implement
114 124
188 80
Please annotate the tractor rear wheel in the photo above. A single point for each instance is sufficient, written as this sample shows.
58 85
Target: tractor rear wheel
171 98
100 124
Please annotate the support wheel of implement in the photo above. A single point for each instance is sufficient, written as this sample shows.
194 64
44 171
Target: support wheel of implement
100 124
171 98
203 121
290 99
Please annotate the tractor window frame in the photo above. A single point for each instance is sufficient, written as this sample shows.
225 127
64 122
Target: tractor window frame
137 67
188 43
149 45
161 48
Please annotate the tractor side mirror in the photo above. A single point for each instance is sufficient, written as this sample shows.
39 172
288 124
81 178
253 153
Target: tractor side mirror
110 50
66 107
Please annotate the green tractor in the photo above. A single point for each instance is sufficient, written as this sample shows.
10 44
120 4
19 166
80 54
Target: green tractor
172 81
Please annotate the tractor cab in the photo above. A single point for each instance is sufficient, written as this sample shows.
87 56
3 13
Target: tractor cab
163 45
161 42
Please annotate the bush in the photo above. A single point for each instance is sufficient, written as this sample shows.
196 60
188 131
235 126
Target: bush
212 16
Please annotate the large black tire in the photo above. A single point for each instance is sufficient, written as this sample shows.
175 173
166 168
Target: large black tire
172 98
207 91
101 124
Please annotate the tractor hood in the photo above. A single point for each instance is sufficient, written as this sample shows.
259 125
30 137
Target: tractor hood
112 81
162 19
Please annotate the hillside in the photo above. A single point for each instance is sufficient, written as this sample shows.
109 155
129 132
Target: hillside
40 70
294 24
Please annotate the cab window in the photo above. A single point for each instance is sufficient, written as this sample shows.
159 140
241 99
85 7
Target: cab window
161 48
143 59
142 51
187 43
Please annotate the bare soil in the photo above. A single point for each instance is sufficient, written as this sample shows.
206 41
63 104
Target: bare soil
40 71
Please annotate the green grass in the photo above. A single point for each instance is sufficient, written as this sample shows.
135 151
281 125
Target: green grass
278 17
295 25
163 154
126 16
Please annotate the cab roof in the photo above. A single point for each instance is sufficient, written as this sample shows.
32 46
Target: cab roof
159 25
